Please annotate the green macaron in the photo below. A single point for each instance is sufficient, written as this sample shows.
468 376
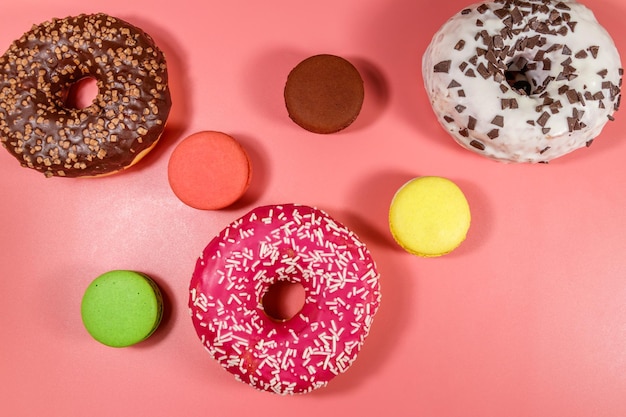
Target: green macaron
121 308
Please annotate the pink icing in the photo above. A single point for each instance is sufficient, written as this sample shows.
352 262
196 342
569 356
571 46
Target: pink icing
299 244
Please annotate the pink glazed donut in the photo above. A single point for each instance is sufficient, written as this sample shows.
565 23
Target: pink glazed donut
291 243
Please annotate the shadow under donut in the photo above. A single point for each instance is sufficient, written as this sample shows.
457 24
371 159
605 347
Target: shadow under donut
181 110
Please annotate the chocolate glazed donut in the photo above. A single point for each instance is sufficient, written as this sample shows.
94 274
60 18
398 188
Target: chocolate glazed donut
122 124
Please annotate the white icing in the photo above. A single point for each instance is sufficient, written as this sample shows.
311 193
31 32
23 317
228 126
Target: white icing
517 140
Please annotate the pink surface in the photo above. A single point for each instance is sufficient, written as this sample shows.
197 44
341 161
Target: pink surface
526 318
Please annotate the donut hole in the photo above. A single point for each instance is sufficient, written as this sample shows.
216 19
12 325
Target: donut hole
81 94
518 76
283 300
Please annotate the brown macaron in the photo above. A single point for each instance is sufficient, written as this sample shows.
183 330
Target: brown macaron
324 94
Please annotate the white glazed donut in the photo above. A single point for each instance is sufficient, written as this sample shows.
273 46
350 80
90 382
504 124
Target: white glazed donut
523 81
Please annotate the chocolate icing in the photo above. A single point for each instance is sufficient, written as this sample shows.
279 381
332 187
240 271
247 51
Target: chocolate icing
124 121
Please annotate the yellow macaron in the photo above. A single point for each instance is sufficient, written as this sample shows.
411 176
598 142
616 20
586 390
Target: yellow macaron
429 216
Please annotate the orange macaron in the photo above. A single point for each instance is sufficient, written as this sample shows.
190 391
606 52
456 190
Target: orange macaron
209 170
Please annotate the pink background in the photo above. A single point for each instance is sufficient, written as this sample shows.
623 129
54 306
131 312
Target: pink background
526 318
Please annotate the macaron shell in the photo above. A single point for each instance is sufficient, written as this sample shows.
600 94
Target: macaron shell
121 308
324 93
209 170
429 216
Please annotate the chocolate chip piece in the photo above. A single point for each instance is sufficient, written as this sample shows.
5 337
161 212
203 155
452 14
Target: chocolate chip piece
573 124
498 121
547 64
543 119
516 15
594 50
502 13
572 96
464 133
478 145
563 30
581 54
443 66
494 133
460 108
471 123
454 84
460 45
562 6
482 70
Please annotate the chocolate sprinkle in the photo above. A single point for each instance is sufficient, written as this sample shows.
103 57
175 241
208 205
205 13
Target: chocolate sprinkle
443 66
562 6
516 15
471 123
543 119
572 96
494 133
460 108
460 45
582 54
478 145
498 121
482 70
